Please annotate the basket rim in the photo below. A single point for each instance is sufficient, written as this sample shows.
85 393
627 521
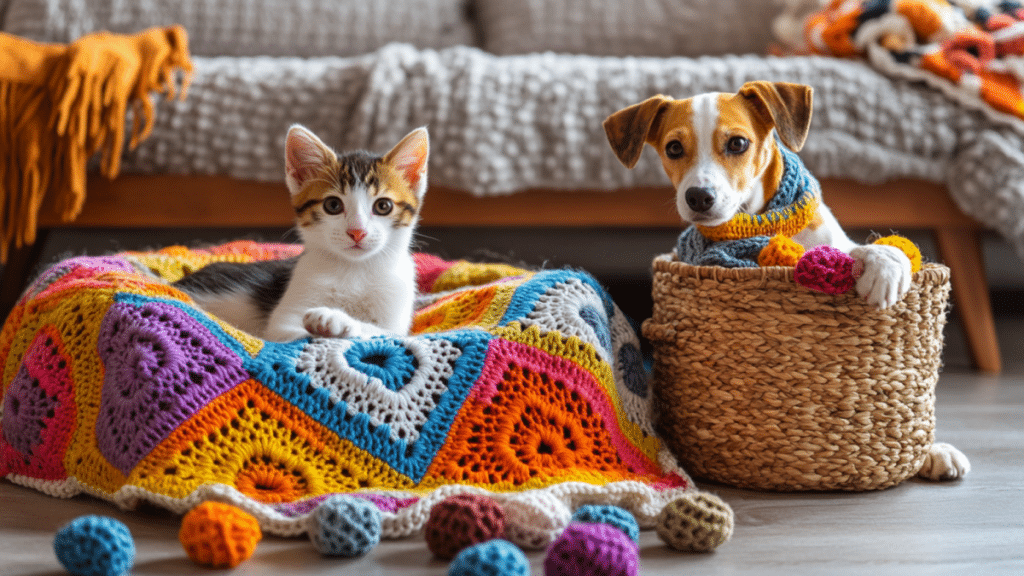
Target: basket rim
930 273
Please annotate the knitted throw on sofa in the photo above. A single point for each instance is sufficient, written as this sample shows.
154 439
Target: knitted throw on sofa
60 104
525 384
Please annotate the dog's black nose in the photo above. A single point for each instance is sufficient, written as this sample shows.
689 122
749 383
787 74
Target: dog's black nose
700 199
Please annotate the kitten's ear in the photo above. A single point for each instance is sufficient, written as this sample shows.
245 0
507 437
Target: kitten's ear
304 155
409 158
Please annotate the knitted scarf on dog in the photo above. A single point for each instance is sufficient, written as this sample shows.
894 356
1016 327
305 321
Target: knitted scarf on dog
60 104
738 242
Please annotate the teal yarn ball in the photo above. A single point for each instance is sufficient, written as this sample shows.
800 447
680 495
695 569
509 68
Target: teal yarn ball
95 546
492 558
611 515
345 526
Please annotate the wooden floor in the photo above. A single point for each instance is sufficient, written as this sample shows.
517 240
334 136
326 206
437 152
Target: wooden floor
970 527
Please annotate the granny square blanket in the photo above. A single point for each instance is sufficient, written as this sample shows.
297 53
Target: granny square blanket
527 385
969 49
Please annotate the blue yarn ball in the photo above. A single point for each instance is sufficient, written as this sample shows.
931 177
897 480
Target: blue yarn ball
492 558
95 546
345 526
607 514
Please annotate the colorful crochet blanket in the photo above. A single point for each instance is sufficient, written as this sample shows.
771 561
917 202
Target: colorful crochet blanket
972 50
525 384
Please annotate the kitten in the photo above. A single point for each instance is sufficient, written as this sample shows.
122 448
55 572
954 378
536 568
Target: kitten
355 277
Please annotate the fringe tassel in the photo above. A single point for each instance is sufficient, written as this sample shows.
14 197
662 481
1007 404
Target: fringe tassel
60 104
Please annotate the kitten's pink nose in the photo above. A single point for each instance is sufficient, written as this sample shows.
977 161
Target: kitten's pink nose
356 234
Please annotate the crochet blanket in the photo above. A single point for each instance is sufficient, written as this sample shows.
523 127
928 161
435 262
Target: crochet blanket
972 50
500 124
525 384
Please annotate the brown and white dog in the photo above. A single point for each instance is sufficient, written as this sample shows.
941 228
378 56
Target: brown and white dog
720 152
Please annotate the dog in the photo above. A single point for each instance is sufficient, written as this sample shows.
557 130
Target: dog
722 153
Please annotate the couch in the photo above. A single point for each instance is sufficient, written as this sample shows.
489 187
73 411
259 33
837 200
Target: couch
514 94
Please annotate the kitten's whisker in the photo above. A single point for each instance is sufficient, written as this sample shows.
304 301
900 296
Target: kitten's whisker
417 236
290 235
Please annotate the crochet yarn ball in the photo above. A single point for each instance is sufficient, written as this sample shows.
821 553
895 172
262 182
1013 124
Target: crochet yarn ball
909 248
345 526
780 251
592 550
463 520
826 269
695 523
492 558
95 546
611 515
217 535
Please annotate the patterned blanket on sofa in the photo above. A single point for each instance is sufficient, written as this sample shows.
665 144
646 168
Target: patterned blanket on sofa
525 384
969 49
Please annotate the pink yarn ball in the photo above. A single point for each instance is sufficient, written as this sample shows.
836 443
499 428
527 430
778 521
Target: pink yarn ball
826 269
592 550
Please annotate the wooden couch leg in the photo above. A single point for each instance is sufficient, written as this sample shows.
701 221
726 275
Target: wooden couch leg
960 249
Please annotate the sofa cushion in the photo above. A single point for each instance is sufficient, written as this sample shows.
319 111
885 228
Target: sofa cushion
637 28
254 27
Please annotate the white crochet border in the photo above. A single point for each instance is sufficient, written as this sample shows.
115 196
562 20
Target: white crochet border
533 518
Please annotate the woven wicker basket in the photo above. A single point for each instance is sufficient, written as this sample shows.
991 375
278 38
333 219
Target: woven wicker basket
761 383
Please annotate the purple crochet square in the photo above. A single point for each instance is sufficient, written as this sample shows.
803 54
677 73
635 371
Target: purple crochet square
387 503
27 408
160 367
98 264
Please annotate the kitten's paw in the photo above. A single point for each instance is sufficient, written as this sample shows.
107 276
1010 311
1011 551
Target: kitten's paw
331 323
944 462
886 276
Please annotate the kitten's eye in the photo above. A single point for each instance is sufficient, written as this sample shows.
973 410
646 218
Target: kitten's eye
383 207
737 145
674 149
333 205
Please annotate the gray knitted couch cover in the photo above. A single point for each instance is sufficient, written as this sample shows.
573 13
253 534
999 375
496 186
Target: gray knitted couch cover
501 124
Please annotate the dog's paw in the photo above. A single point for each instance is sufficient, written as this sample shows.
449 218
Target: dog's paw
886 274
331 323
944 462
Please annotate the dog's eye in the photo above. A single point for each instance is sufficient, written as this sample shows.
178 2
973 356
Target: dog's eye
674 149
383 207
737 145
333 205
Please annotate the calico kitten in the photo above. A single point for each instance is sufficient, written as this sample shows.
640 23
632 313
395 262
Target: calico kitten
355 277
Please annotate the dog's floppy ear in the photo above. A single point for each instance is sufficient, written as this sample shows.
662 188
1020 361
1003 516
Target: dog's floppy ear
630 128
787 106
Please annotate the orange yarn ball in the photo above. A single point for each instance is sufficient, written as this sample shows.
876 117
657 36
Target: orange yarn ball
217 535
780 251
909 248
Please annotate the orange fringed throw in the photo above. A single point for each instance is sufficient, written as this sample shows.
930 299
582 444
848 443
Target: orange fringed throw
60 104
